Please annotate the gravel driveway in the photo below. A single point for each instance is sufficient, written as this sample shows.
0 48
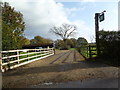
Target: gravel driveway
64 66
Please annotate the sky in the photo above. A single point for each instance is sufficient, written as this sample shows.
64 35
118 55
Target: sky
41 15
118 15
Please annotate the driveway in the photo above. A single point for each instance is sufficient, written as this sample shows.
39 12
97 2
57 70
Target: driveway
65 66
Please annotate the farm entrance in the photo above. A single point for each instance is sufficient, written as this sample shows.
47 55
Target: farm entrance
64 66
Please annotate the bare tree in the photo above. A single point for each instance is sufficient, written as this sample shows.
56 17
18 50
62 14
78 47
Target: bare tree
64 31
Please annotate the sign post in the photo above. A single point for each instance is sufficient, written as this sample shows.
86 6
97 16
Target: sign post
99 17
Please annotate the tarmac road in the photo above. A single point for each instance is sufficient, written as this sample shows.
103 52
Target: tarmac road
90 83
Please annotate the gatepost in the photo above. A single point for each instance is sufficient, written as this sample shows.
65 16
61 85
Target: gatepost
99 17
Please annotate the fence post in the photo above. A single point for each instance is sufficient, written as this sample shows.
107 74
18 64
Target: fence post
50 51
90 51
87 51
54 50
97 32
35 53
1 61
27 55
18 56
8 59
39 52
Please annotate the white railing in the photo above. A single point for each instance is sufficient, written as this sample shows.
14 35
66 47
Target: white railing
15 58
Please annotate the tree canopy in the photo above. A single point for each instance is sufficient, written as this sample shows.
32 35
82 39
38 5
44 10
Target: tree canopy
25 41
13 27
71 43
39 39
82 41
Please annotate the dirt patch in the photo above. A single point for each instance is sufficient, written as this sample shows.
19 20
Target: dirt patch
42 71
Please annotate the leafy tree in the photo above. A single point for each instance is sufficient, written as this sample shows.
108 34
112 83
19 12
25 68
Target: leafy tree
70 43
74 42
32 41
39 39
12 27
82 41
24 40
48 41
0 32
59 44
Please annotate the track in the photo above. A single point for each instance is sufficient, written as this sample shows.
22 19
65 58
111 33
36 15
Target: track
58 58
64 66
66 57
74 56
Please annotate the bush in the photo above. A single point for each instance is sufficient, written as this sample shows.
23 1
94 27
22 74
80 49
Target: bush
109 44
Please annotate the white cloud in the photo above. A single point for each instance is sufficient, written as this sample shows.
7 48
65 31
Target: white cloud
89 0
83 30
71 11
40 16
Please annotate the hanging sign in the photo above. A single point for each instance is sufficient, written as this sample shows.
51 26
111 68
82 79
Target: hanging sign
101 17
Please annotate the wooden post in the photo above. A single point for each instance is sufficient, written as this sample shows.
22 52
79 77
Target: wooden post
97 32
87 51
1 61
18 56
27 55
35 52
40 52
8 60
54 51
90 51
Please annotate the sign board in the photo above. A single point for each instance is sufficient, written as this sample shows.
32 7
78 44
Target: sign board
101 17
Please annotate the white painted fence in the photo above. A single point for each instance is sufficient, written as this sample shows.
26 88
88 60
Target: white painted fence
15 58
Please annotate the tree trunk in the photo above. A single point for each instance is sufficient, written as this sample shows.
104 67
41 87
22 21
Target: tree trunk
65 41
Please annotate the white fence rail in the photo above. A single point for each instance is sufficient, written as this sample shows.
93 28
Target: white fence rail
15 58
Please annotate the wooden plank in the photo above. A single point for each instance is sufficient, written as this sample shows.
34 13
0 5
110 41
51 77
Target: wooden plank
24 50
10 62
28 62
22 55
10 56
31 57
46 52
22 59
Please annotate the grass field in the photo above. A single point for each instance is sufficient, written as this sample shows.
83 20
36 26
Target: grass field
72 49
25 57
85 51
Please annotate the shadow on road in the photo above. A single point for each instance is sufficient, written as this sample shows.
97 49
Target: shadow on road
55 68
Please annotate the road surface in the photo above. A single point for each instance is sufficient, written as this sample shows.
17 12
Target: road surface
90 83
65 66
